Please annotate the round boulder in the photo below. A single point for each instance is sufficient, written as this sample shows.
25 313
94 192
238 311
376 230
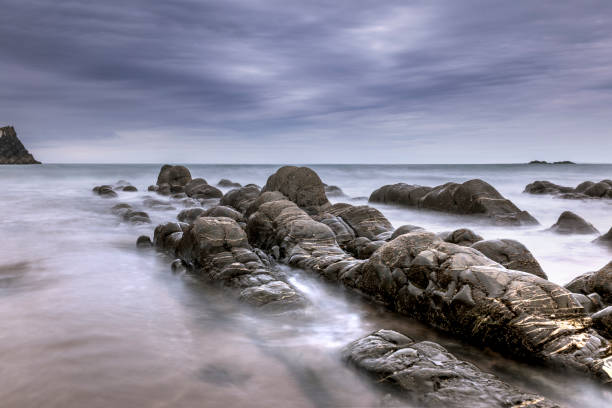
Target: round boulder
570 223
173 175
511 254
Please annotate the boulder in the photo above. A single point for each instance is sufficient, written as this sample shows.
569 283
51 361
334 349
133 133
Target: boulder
224 211
584 190
605 239
189 215
173 175
427 375
461 236
599 282
144 241
602 321
228 183
333 191
472 197
570 223
217 248
366 221
12 151
546 187
105 191
129 188
301 185
404 229
200 190
241 198
511 254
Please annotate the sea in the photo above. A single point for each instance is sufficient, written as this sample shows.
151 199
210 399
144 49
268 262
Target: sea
88 320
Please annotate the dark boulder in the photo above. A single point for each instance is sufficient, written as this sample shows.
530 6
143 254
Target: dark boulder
366 221
404 229
333 191
173 175
584 190
427 375
546 187
228 183
602 321
599 282
605 239
144 241
301 185
224 211
461 236
472 197
136 217
511 254
570 223
12 151
105 191
200 190
189 215
241 198
129 188
121 208
218 248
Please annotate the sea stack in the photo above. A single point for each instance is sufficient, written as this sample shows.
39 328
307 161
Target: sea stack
12 151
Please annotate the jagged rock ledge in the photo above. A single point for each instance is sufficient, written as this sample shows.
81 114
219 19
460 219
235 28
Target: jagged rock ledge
12 151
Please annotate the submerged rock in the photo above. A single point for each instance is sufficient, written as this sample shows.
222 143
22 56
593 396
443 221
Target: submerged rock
511 254
570 223
472 197
426 374
12 151
333 191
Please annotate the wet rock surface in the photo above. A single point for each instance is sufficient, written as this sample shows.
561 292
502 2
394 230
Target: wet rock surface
300 185
228 183
585 190
217 248
511 254
12 151
426 374
605 239
570 223
472 197
599 282
104 191
461 236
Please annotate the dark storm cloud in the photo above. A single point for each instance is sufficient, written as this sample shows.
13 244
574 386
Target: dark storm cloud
372 80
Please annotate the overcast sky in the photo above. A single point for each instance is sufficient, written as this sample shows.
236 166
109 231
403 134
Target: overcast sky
357 81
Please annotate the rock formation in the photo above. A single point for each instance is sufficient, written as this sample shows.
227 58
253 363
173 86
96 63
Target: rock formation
511 254
427 375
472 197
570 223
12 151
585 190
605 239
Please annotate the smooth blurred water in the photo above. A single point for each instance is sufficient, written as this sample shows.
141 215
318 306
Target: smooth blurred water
87 320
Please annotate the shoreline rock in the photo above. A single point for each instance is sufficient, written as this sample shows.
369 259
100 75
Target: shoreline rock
570 223
12 151
583 191
474 197
426 374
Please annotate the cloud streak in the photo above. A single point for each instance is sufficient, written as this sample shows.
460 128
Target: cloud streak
352 81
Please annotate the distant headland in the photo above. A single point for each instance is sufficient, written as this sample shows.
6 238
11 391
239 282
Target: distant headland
545 162
12 151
